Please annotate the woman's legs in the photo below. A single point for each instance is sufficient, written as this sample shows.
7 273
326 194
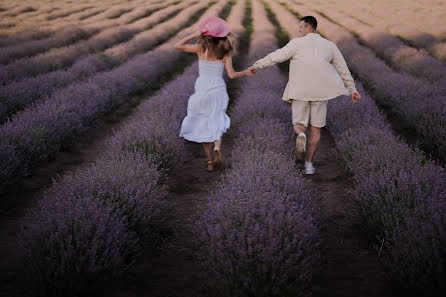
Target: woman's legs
217 145
217 152
207 150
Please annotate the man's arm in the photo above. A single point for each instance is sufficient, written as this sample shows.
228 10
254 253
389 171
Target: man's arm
341 67
278 56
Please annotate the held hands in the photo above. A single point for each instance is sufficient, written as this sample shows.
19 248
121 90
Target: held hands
355 96
250 71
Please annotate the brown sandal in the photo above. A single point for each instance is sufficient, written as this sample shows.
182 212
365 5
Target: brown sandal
209 165
217 157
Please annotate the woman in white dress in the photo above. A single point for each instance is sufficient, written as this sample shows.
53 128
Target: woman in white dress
206 118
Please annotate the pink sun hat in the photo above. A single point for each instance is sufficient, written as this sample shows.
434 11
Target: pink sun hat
215 27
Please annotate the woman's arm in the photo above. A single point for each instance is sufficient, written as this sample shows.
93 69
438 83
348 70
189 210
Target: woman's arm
230 69
189 48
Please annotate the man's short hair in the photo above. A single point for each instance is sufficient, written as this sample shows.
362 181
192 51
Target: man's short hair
310 20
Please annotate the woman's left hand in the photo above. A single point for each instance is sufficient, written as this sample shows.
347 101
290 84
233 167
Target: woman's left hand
249 72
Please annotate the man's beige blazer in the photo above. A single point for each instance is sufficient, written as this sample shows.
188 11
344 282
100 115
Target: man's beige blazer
318 70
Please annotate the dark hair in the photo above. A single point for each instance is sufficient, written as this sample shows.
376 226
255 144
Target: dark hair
221 46
310 20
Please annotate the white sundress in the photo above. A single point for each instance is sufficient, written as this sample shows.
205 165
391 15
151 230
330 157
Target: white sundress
206 118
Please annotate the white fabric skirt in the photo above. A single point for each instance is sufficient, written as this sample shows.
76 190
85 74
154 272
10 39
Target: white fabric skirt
206 118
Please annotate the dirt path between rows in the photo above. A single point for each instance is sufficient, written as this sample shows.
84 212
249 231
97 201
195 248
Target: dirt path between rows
350 266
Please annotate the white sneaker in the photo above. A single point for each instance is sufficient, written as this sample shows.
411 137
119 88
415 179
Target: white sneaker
309 168
301 143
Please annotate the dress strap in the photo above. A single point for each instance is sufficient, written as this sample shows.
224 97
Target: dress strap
206 54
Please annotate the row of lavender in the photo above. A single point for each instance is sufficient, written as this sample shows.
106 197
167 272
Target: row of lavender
66 56
401 26
398 193
21 33
40 131
21 93
399 55
15 27
420 105
10 18
68 35
422 40
259 234
50 16
91 223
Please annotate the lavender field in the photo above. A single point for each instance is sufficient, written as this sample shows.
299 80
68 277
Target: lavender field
99 196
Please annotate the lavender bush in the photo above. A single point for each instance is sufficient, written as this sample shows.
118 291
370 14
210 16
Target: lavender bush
139 11
144 40
424 41
68 12
259 241
259 234
420 105
9 40
402 200
18 95
61 57
89 225
52 15
61 38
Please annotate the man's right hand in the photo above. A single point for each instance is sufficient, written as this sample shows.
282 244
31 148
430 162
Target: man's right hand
355 96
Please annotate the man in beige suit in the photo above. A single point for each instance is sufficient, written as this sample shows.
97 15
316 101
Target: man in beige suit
318 73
